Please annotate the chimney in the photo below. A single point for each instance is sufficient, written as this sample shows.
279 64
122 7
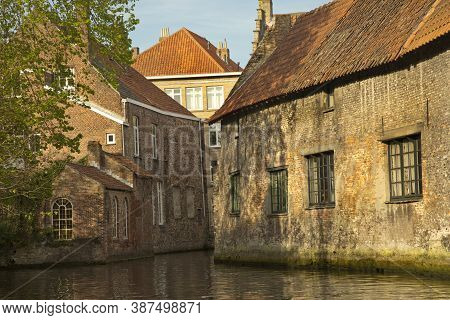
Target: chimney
135 52
95 154
165 33
263 20
222 51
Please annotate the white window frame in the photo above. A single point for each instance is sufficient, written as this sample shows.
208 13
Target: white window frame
64 82
197 93
113 135
67 204
218 97
171 92
154 141
136 136
126 210
217 128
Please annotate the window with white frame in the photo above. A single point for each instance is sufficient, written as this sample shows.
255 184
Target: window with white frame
194 98
115 218
154 141
125 218
214 134
215 97
136 135
66 79
175 94
158 210
110 138
62 219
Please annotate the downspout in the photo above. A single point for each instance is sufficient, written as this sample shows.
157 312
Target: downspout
124 107
202 166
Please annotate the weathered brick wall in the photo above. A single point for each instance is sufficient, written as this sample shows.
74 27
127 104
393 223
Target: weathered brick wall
363 229
178 165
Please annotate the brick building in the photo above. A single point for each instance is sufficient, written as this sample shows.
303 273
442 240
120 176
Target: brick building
195 73
140 187
335 140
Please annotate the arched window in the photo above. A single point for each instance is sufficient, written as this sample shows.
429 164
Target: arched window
115 218
62 219
136 135
125 218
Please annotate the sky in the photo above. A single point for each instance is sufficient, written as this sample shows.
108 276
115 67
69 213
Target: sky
214 20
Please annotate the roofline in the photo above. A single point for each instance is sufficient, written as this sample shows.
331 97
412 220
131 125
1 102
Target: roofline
105 113
202 75
166 113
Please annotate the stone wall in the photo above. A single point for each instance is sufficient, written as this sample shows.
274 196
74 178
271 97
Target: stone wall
180 164
364 229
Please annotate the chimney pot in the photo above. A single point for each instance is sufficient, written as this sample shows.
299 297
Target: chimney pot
135 52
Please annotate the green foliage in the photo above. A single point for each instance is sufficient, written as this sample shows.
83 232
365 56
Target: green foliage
39 40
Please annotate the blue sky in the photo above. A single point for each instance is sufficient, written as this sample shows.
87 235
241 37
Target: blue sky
212 19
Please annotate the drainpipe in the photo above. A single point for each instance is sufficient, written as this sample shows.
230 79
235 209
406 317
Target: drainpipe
202 166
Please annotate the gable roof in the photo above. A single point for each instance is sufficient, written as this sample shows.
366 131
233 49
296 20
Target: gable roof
107 181
183 53
135 86
338 39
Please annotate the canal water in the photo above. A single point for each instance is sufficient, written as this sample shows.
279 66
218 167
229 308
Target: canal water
195 276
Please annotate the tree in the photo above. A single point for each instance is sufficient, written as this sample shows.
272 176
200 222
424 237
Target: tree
38 39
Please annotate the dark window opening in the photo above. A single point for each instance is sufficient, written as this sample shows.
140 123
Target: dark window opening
235 205
278 187
321 179
405 168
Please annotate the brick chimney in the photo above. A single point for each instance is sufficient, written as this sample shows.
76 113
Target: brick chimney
135 52
263 20
96 157
165 33
222 51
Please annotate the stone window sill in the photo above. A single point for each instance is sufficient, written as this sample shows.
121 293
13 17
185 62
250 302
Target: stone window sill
277 215
328 110
235 215
406 200
321 207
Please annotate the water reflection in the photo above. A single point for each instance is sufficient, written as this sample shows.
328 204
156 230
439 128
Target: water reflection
194 276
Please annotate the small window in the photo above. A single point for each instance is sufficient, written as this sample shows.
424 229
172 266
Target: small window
235 187
115 218
136 136
110 138
321 179
214 135
62 219
126 215
215 97
154 141
405 168
194 98
328 98
278 191
175 94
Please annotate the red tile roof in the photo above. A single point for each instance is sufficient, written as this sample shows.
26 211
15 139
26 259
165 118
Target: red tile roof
183 53
338 39
107 181
135 86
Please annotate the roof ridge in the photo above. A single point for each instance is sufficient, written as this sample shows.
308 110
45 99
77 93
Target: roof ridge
430 12
190 33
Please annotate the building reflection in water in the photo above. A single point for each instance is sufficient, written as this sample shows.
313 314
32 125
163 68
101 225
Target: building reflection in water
195 276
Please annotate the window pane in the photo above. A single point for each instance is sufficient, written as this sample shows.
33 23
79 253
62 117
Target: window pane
321 179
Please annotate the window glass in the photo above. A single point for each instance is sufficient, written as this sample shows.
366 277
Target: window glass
215 97
175 94
194 98
62 219
321 179
214 135
279 196
235 186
